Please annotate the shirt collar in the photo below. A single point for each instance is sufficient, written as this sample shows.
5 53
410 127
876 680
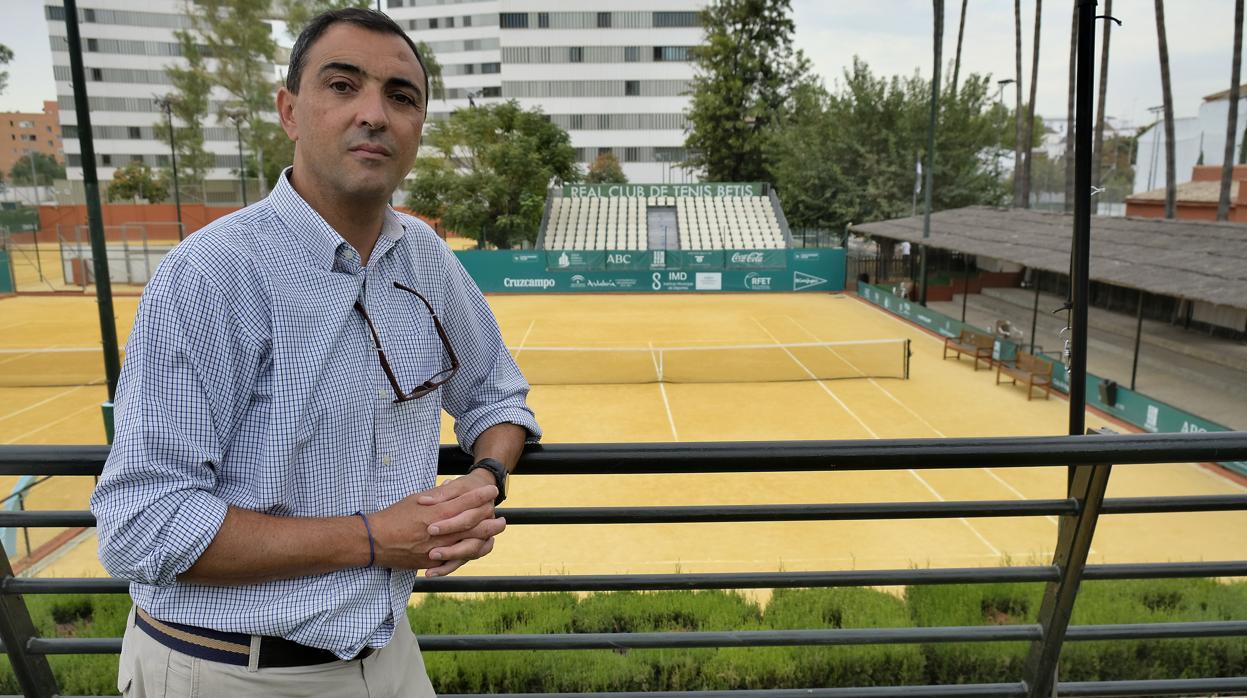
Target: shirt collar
314 232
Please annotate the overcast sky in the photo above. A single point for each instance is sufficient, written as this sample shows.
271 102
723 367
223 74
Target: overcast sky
893 36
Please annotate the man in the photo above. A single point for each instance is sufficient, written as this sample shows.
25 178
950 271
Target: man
270 491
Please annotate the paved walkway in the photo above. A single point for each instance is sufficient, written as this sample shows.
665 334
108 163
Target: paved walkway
1201 374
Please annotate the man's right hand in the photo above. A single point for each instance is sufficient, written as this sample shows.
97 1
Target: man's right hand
465 527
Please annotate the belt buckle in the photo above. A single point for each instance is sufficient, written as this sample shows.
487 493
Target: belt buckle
365 653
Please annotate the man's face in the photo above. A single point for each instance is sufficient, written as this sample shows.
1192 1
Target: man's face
357 119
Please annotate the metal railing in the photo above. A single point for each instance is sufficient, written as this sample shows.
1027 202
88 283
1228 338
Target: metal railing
1088 459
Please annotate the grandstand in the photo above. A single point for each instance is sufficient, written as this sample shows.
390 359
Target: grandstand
664 217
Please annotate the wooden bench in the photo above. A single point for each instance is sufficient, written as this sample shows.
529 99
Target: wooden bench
1035 371
975 344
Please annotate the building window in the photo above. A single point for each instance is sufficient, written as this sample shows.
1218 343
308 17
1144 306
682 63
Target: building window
495 91
676 19
632 54
576 54
491 68
513 20
97 75
106 160
93 45
577 122
467 20
394 3
135 133
450 22
604 121
543 20
671 53
604 20
88 15
433 23
631 154
469 69
604 151
632 88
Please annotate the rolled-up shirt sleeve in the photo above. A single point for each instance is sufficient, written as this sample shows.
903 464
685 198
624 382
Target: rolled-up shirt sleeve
489 388
189 371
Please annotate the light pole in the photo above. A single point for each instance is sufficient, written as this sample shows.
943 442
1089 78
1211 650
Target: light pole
166 105
238 116
1151 172
1000 87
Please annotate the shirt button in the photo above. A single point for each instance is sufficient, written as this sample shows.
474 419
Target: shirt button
385 460
381 395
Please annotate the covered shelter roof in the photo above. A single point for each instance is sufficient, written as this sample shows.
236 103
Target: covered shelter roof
1196 260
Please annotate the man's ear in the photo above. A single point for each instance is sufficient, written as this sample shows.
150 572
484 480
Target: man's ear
285 112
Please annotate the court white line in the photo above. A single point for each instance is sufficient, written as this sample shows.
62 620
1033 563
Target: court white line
662 390
1017 493
45 401
524 340
38 429
874 435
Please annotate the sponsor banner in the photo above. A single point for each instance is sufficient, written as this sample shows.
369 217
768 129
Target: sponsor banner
1132 407
706 259
576 260
757 259
649 190
650 271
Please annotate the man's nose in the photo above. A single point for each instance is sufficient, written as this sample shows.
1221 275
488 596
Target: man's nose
371 113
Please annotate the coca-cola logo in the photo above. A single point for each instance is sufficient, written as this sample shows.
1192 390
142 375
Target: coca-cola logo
747 258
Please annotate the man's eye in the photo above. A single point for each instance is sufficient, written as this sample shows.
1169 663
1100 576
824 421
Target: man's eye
339 86
403 98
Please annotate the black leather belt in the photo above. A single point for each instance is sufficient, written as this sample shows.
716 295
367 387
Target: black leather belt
234 648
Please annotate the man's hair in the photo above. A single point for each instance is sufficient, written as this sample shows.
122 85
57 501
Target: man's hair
367 19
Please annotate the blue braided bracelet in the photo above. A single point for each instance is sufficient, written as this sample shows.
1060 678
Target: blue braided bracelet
372 546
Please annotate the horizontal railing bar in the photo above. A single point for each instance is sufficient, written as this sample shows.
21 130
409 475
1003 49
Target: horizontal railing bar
684 514
1151 687
1167 570
754 638
731 580
771 456
1164 505
769 512
979 690
628 582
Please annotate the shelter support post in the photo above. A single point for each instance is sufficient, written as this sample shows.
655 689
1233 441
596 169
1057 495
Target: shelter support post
1034 310
1138 336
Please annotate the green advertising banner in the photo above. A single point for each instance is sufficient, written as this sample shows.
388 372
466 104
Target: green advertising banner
648 190
6 276
1148 414
757 259
656 271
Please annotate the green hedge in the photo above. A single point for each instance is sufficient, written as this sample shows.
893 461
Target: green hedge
758 667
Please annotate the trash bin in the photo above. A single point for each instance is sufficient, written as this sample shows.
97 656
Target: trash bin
1108 392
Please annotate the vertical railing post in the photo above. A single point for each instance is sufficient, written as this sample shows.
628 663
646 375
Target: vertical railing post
1074 534
32 671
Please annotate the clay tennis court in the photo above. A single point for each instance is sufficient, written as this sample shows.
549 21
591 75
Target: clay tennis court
940 398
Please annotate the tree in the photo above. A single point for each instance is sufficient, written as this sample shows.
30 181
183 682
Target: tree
961 32
847 156
747 69
188 104
1171 187
1029 138
6 55
606 170
136 181
298 13
489 170
1231 125
45 167
1018 140
1100 116
1069 114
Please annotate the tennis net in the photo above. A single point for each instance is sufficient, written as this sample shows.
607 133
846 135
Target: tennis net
741 363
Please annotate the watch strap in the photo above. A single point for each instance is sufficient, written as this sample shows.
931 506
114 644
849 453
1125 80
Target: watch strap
499 471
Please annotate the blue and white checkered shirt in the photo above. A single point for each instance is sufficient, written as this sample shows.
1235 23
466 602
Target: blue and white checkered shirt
251 381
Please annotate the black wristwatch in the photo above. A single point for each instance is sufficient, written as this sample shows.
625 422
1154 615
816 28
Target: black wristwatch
500 476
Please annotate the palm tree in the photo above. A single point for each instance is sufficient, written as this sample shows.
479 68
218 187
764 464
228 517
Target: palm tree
1171 187
1069 115
1030 112
1231 125
961 32
1096 151
1017 108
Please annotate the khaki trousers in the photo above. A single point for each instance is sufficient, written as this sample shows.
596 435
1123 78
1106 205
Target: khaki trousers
148 669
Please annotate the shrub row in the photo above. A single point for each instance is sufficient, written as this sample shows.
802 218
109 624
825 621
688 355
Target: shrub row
760 667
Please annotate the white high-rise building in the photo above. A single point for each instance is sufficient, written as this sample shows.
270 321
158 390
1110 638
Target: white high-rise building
615 76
